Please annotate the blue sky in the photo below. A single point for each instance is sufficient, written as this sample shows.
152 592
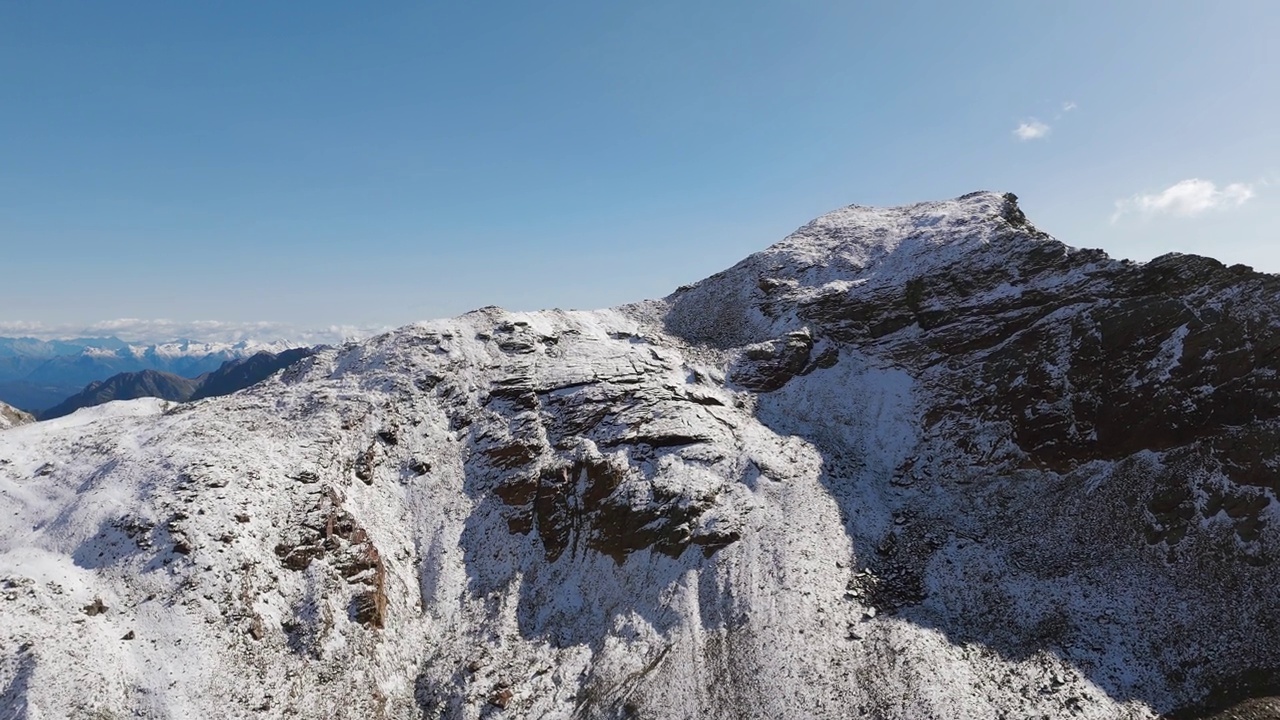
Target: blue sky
332 163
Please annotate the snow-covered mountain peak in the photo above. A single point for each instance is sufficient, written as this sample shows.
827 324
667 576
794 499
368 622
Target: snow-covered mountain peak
856 238
861 251
923 462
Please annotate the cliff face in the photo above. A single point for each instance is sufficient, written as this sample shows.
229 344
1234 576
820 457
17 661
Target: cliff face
908 463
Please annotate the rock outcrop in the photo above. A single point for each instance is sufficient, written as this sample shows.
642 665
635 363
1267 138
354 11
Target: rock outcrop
12 417
918 462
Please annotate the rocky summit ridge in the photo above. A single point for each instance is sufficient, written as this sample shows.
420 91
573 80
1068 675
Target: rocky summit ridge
917 462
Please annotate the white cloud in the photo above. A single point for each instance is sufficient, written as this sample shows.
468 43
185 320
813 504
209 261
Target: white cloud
145 331
1031 130
1188 198
1034 128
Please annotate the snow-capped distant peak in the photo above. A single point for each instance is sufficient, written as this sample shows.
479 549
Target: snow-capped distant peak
189 348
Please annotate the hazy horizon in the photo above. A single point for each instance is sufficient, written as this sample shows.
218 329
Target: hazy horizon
239 168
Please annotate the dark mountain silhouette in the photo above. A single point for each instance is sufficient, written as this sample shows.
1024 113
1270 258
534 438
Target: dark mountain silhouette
126 386
37 374
233 375
237 375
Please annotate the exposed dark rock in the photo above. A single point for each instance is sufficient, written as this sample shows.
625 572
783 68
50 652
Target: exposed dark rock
257 630
325 531
765 367
365 464
12 417
501 698
1252 695
1011 213
97 607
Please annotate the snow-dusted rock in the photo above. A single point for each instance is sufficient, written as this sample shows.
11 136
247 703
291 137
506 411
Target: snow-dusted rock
920 462
12 417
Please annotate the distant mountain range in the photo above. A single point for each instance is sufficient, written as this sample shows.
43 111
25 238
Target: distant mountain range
231 376
37 374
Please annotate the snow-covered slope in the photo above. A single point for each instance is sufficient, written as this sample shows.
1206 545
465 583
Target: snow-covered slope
923 462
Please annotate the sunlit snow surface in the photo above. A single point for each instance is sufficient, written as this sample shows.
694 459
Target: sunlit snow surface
97 505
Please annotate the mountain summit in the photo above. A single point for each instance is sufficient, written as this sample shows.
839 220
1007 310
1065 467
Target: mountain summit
918 462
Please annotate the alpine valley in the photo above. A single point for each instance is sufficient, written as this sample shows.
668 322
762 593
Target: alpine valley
36 375
917 462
